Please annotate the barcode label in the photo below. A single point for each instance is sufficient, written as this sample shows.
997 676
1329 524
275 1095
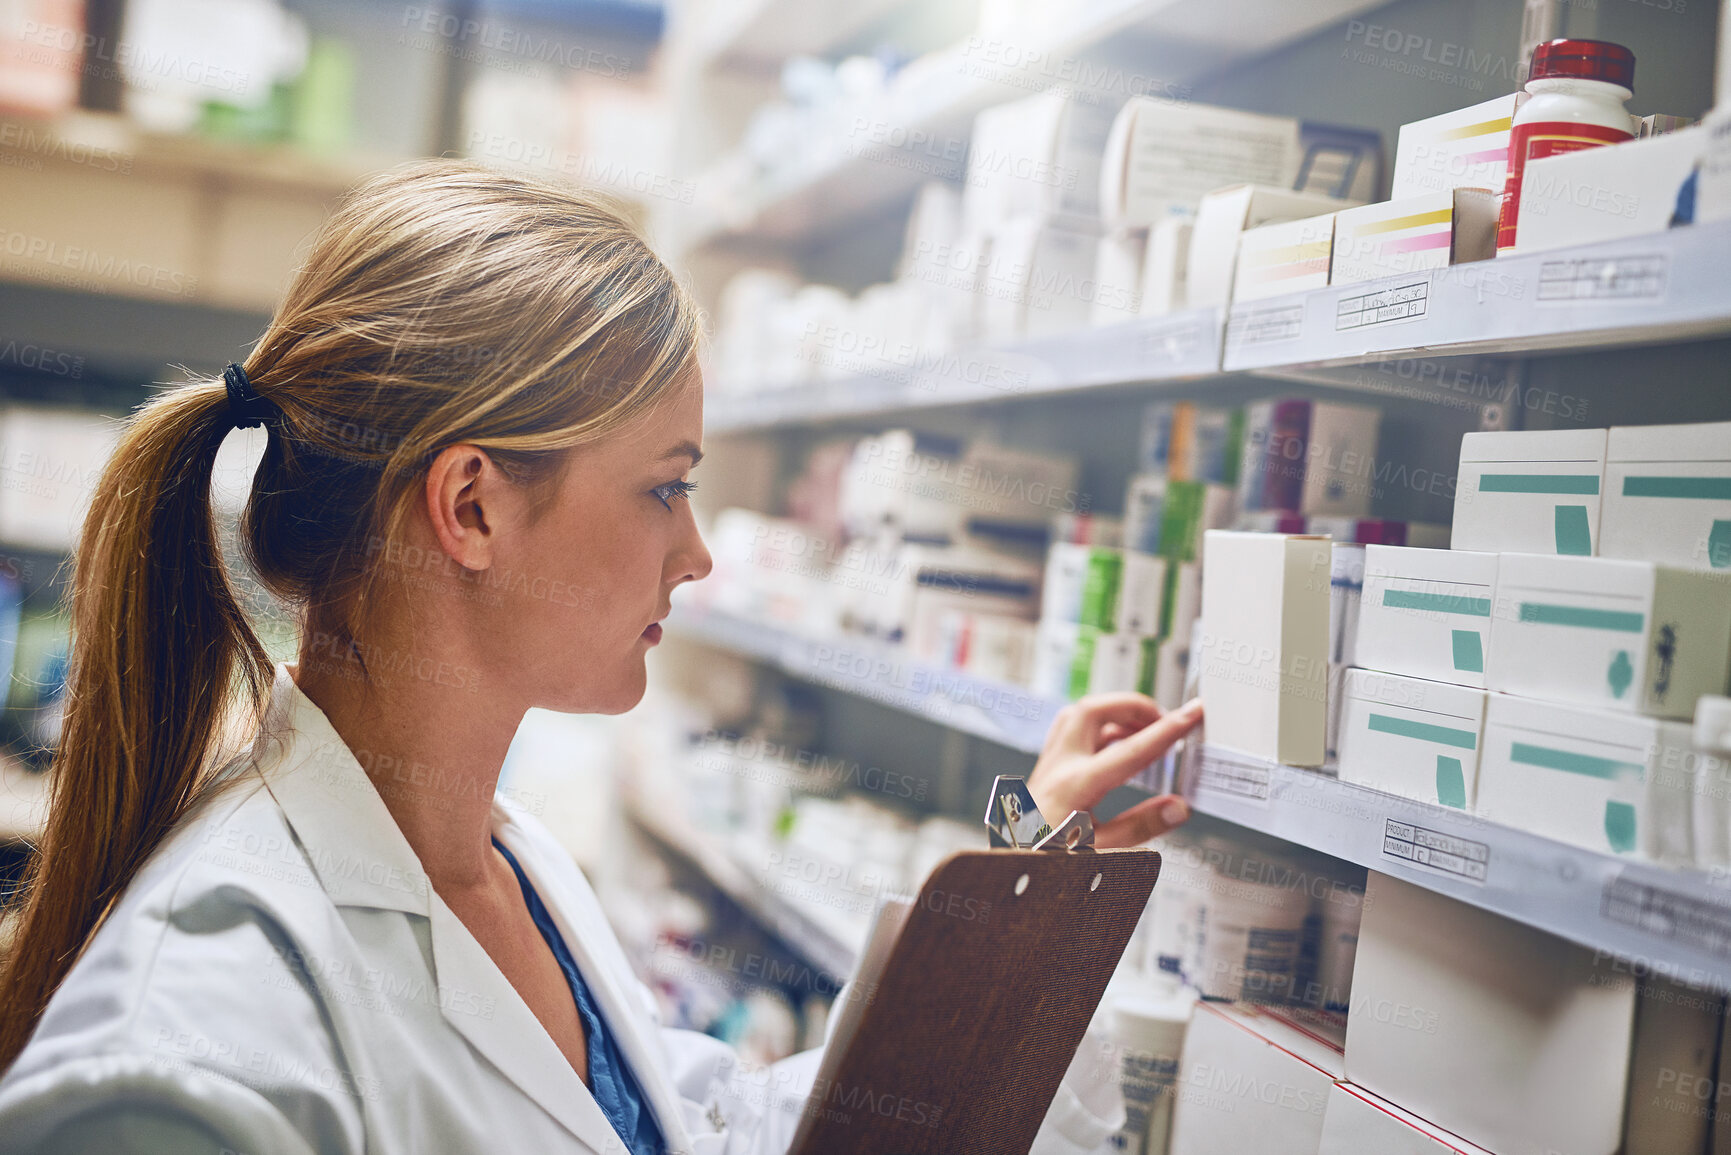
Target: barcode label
1239 779
1605 279
1265 326
1401 303
1460 857
1694 920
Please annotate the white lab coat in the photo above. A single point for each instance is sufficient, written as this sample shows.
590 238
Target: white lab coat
280 978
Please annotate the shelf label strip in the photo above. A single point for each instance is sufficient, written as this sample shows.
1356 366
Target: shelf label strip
1460 857
1693 920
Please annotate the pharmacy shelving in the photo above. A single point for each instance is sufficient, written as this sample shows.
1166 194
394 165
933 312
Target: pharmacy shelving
819 944
1659 289
762 33
1005 714
878 154
1183 346
1674 920
1662 287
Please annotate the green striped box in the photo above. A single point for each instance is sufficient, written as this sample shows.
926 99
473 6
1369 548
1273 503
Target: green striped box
1609 782
1534 491
1668 495
1408 736
1627 636
1426 613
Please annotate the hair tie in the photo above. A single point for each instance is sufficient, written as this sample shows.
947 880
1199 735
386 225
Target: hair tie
245 406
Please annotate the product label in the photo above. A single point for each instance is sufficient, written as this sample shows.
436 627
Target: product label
1401 303
1696 920
1603 279
1266 325
1460 857
1227 775
1538 139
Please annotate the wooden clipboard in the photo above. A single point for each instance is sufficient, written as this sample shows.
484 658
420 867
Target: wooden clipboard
978 1004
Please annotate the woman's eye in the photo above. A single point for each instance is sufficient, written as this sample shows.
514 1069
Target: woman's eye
673 491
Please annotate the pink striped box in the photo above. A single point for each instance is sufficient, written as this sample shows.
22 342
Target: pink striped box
1430 231
1466 148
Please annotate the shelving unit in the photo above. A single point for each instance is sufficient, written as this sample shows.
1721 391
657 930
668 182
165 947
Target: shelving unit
919 132
1679 920
763 33
816 943
1652 290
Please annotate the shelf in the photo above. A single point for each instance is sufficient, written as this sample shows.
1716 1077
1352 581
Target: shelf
1008 715
919 131
1665 287
814 942
767 32
1678 921
1180 347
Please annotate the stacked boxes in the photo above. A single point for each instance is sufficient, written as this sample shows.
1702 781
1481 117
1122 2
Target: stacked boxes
1529 492
1667 495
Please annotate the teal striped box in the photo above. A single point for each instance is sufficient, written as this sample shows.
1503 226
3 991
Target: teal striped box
1610 782
1668 495
1534 491
1628 636
1408 736
1427 613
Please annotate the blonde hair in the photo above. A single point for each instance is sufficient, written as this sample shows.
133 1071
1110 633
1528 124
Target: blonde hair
442 302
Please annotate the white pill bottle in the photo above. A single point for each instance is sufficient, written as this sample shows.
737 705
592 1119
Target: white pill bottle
1577 92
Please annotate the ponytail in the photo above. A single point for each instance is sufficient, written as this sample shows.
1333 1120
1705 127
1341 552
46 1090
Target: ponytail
158 638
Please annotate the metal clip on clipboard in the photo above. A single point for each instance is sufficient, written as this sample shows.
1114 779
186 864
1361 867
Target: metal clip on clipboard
1015 823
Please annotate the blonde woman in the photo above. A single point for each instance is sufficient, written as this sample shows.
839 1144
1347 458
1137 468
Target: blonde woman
476 384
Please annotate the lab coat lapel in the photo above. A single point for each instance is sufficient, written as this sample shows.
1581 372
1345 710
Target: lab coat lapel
485 1008
622 1017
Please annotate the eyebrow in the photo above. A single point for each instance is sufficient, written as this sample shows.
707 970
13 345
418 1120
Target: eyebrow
684 449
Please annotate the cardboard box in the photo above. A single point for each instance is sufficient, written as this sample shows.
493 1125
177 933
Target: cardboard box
1429 231
1497 1032
1118 276
1410 737
1185 441
1249 1081
1166 267
1600 194
1530 492
1037 156
1192 508
1614 783
1223 216
1310 457
1668 495
1713 189
1162 157
1111 590
1627 635
1111 663
1671 1069
1265 644
1357 1122
1345 602
1038 280
1289 257
53 460
1427 613
1466 148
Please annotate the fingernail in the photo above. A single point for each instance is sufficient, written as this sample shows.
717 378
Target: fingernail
1175 811
1192 708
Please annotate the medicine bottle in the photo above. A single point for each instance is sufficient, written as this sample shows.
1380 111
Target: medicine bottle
1577 92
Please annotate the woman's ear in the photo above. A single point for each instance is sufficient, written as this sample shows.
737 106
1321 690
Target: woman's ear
463 482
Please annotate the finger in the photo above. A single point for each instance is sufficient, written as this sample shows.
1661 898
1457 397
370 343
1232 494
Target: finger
1121 761
1128 709
1112 732
1143 822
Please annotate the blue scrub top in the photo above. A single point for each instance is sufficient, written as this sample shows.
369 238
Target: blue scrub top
610 1080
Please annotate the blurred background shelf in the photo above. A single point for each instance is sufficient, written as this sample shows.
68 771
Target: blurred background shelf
820 945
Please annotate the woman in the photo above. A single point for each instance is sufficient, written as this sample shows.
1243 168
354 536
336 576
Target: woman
280 910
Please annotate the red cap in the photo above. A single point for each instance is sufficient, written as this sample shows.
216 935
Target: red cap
1584 60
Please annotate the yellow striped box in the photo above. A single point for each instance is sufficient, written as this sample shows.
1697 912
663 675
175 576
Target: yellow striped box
1431 231
1466 148
1290 257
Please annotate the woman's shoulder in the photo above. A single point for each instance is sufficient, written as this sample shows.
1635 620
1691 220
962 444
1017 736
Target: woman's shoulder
188 996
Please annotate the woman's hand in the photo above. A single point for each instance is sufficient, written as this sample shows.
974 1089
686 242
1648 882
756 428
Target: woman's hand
1099 743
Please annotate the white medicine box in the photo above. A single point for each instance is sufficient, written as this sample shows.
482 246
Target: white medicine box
1230 1049
1466 147
1410 737
1264 645
1427 612
1613 783
1358 1123
1628 635
1529 492
1668 495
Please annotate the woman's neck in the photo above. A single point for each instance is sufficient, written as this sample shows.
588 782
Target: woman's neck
432 745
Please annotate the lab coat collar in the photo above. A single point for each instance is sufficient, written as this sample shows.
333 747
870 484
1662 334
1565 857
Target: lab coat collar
353 844
362 859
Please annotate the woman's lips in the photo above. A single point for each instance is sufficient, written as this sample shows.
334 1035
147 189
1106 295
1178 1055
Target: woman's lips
653 633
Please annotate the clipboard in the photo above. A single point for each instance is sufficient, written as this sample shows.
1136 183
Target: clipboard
979 1001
